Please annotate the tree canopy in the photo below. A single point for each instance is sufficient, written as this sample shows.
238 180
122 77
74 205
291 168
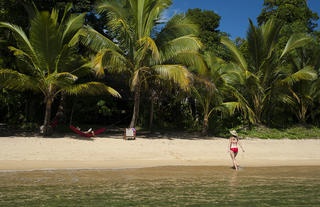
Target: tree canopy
209 33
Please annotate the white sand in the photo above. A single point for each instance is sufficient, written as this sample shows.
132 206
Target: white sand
26 153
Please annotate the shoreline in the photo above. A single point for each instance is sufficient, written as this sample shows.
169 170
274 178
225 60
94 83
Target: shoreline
35 153
61 167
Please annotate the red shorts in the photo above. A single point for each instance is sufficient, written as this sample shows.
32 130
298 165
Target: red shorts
235 150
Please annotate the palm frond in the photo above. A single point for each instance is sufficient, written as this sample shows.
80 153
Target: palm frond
235 52
18 52
14 80
139 18
212 60
124 30
45 41
111 60
67 8
232 106
286 99
54 16
60 80
235 74
72 26
153 9
22 39
242 104
208 85
148 43
256 45
112 6
307 73
63 76
177 26
90 88
187 43
95 40
295 41
190 59
119 21
177 73
271 31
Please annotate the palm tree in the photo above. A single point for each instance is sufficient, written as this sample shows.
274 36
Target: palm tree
215 90
264 77
137 49
50 62
304 93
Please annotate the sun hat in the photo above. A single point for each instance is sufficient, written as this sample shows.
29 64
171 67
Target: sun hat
234 133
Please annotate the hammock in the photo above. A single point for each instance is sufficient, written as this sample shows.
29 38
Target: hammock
99 131
54 123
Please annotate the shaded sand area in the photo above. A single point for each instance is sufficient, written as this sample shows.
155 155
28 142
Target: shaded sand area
29 153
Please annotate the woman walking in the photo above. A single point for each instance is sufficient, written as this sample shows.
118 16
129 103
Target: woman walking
233 148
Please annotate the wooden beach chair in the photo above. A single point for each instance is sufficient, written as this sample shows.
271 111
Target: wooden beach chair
129 133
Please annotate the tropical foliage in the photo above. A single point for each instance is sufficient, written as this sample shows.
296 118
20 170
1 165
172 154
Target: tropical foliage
138 50
181 72
49 60
266 81
215 92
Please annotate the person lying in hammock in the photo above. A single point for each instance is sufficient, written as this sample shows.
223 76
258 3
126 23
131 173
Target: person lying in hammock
89 131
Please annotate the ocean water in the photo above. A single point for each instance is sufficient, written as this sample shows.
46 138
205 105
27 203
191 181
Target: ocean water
163 186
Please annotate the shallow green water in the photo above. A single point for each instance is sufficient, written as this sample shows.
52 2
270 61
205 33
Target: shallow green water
163 186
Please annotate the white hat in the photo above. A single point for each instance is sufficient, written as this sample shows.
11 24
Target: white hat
234 133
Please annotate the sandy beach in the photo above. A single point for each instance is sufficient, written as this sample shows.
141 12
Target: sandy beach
112 152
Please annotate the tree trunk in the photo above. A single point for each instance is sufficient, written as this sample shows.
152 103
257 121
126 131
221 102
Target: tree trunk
47 118
72 110
302 113
257 109
151 110
60 115
135 114
205 125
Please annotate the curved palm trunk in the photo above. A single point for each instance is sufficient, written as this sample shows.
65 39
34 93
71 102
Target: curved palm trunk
47 118
135 114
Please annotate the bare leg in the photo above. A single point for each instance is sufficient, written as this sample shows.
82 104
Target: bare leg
232 154
235 155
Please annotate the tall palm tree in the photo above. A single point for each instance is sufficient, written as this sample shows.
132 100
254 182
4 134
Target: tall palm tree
50 62
138 49
265 78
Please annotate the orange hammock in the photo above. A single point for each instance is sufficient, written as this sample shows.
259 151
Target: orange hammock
99 131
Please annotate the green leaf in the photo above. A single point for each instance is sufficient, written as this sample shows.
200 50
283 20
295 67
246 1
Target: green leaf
178 73
91 88
296 41
307 73
236 53
14 80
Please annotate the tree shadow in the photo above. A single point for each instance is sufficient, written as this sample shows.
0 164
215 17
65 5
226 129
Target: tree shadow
113 132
